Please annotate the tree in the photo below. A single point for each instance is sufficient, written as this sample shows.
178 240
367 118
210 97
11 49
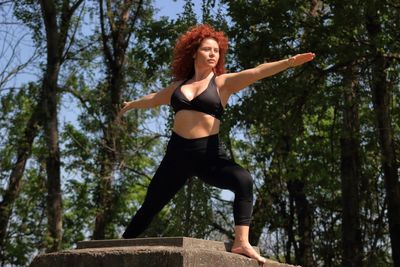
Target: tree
382 91
11 67
121 19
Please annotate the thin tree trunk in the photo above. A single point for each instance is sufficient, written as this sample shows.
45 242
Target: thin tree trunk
350 175
381 91
114 49
291 241
259 215
303 212
11 193
303 252
187 221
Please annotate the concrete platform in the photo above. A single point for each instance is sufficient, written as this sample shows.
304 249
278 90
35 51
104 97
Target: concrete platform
182 242
149 252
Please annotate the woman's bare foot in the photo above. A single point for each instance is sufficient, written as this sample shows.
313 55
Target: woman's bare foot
247 250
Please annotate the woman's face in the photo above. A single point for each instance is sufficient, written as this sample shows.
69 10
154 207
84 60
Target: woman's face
208 53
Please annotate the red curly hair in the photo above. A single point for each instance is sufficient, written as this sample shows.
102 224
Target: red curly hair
187 45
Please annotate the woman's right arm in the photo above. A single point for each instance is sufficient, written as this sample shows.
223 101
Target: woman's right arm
152 100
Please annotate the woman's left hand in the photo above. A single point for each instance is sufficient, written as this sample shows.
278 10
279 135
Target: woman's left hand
300 59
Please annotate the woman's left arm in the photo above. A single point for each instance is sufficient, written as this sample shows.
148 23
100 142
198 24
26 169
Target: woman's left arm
235 82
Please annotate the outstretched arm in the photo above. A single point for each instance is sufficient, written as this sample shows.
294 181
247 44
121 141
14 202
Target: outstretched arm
235 82
150 101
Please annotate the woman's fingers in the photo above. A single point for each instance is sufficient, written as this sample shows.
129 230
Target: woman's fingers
302 58
123 108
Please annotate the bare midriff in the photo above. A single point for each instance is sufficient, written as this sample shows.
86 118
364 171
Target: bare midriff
192 124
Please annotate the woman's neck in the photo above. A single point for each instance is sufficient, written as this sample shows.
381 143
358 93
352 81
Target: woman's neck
202 74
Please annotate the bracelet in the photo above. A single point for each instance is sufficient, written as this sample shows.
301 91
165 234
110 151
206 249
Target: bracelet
290 62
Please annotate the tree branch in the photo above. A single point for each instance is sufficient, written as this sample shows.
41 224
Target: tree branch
82 100
133 21
5 2
6 77
104 37
63 28
64 57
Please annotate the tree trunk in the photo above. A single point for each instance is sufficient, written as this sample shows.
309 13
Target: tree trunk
50 124
11 193
381 91
291 240
114 49
259 215
350 175
56 38
303 212
187 219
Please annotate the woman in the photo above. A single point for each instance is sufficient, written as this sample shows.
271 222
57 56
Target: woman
198 96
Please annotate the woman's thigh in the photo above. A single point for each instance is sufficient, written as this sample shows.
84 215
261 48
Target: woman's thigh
169 178
226 174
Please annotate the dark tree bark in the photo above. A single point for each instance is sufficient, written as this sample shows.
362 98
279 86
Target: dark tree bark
381 91
300 209
303 251
50 123
299 205
56 39
188 208
350 174
303 212
115 43
291 240
260 216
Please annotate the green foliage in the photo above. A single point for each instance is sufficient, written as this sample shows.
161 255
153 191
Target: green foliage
30 14
27 228
15 109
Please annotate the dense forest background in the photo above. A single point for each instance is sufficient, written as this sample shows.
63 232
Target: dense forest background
321 140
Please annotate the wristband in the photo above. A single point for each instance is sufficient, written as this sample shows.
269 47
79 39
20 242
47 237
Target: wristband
290 62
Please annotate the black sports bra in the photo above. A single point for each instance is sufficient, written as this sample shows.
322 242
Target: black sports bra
207 101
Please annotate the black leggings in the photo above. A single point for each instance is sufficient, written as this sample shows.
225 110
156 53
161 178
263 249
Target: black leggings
202 157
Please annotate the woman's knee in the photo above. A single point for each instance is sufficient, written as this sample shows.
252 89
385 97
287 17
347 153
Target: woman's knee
243 182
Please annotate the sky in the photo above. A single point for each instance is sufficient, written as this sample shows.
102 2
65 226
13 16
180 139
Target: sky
172 8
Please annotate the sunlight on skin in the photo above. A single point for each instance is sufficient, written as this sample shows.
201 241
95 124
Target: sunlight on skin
242 246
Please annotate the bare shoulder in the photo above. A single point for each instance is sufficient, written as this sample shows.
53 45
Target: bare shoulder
223 88
220 81
175 84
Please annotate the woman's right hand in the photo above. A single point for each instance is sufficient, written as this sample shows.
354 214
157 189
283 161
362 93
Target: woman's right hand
125 108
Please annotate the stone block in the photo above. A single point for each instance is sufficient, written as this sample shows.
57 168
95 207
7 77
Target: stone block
149 252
